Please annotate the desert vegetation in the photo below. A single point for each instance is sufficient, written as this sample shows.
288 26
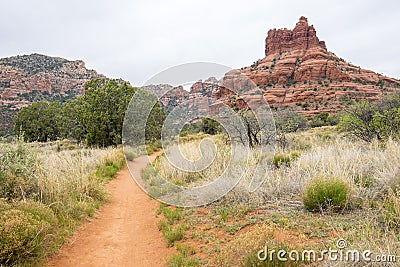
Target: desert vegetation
325 184
330 177
369 121
334 187
46 191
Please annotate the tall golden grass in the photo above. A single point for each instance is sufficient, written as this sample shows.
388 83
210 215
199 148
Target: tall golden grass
371 170
61 174
53 192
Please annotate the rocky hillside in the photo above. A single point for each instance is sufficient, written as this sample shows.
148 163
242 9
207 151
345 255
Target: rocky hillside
169 96
31 78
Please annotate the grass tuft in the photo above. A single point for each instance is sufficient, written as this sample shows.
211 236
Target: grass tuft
331 194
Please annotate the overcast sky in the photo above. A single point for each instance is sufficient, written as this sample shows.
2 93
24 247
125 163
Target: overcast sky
134 40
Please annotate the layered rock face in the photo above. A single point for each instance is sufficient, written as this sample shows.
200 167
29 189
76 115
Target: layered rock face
168 95
299 72
32 78
302 37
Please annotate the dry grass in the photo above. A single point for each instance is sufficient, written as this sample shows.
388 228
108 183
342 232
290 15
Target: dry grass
371 170
190 150
61 174
49 192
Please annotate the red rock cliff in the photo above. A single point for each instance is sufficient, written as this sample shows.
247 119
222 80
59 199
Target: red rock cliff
302 37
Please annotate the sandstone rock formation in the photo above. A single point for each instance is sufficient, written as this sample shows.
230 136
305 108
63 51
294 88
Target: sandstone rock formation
302 37
299 72
169 95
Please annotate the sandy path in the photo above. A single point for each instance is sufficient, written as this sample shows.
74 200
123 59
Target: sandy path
123 233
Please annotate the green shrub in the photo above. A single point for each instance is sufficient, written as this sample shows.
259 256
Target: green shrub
26 232
281 159
319 120
108 169
185 249
287 121
369 121
331 194
171 234
17 167
181 260
171 214
162 225
130 155
392 210
294 155
223 213
151 148
74 210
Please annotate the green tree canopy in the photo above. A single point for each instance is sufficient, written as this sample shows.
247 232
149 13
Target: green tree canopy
102 110
369 121
96 117
40 121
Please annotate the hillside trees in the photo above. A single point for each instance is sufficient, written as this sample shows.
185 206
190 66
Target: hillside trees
210 126
102 111
40 121
287 121
96 117
71 125
369 121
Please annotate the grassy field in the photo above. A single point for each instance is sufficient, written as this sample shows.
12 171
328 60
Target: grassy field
323 187
46 191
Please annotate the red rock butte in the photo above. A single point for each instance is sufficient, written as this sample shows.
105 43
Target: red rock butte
302 37
299 72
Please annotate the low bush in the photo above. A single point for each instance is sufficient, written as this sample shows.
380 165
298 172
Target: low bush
171 214
181 260
331 194
166 226
152 147
281 160
294 155
392 210
130 155
17 168
27 231
171 233
185 249
109 168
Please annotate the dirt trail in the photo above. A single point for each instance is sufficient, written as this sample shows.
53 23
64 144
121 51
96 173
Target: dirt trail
123 233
